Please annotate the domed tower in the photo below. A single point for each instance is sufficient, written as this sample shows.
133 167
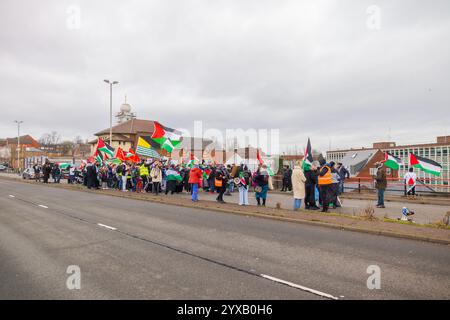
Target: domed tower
125 113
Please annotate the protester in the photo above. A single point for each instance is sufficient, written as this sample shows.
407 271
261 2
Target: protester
325 180
46 169
156 176
343 174
104 177
124 176
380 183
410 179
287 176
71 174
171 173
298 180
221 181
195 181
245 177
262 185
311 176
91 176
335 186
37 172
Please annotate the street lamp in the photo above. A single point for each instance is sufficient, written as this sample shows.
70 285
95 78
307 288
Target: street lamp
18 143
110 108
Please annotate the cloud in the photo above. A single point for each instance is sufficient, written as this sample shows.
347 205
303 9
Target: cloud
310 69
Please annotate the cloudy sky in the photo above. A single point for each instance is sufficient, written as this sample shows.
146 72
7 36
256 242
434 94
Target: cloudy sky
345 73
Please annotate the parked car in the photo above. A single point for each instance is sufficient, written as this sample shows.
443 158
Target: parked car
3 168
28 173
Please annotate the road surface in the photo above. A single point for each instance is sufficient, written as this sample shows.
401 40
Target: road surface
130 249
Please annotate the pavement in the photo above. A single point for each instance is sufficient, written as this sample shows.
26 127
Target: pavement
129 249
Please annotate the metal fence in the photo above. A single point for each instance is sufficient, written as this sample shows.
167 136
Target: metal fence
431 187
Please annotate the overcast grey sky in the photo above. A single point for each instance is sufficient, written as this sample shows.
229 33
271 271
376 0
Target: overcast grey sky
329 70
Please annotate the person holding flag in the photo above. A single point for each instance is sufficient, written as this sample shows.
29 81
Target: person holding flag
244 175
410 179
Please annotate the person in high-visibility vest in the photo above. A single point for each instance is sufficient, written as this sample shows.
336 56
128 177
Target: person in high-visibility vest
143 170
325 181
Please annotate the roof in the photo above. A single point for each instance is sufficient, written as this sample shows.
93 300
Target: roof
406 146
355 160
26 139
132 126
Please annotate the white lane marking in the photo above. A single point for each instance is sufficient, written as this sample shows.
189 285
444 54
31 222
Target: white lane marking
42 206
107 227
11 196
294 285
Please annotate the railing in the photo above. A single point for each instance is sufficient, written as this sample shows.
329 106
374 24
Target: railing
428 186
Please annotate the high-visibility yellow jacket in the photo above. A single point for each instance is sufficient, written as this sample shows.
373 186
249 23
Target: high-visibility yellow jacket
143 170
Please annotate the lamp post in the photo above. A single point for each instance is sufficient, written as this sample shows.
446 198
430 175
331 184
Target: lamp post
110 108
18 143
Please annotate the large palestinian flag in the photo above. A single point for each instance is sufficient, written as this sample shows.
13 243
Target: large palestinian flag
105 148
145 148
308 160
167 138
425 164
392 162
173 175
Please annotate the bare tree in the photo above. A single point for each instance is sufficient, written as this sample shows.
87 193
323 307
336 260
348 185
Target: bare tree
50 139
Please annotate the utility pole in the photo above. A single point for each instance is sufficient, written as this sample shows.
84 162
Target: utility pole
18 143
110 108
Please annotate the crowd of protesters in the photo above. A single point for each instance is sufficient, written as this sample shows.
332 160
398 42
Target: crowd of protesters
317 185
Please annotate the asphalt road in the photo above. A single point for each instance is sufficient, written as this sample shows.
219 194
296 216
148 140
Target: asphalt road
156 251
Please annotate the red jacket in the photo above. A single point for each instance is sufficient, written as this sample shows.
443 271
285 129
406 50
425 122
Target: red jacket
196 176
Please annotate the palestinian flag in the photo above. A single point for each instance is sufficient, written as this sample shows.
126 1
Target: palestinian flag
98 156
167 138
115 161
64 166
206 173
425 164
392 162
173 175
192 160
144 148
261 162
105 148
308 159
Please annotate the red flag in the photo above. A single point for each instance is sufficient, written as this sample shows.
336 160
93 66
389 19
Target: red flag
120 154
132 156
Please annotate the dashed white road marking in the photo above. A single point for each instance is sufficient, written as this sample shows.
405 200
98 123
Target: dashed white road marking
294 285
11 196
42 206
105 226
